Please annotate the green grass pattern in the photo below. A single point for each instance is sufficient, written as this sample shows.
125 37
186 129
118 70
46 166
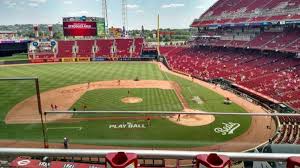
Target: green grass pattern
15 57
162 133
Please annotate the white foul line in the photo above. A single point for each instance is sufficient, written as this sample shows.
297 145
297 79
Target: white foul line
61 128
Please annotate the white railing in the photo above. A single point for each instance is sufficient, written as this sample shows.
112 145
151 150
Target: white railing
174 113
143 154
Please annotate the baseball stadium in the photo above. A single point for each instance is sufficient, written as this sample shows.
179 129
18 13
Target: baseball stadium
224 92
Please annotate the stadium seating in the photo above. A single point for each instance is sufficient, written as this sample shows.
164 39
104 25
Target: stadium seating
99 48
287 40
123 47
138 47
275 75
104 47
65 49
290 131
248 11
262 39
85 48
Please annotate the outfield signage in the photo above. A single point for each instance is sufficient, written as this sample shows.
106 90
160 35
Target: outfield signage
99 59
228 128
128 125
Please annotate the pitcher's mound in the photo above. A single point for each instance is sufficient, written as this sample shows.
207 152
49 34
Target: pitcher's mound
132 100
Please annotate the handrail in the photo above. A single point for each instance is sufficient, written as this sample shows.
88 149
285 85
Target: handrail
142 154
171 113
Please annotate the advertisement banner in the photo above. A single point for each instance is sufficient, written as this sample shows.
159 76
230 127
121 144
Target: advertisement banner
80 28
68 59
99 59
83 59
37 61
101 27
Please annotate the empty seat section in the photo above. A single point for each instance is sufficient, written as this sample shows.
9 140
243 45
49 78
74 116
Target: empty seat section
123 47
138 43
65 49
85 48
104 47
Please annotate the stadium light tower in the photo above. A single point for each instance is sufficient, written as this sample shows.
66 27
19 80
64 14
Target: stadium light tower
124 14
104 15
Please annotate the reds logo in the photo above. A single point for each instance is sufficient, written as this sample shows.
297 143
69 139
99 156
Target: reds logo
228 128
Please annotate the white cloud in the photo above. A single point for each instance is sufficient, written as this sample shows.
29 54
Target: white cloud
32 4
78 13
10 3
38 1
139 11
200 7
133 6
68 2
35 3
173 5
84 12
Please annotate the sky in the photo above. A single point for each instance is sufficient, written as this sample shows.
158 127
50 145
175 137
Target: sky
173 13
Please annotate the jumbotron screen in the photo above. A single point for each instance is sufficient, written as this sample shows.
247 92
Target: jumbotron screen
82 26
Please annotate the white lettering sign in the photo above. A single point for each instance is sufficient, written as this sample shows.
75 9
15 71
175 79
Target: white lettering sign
80 26
127 125
228 128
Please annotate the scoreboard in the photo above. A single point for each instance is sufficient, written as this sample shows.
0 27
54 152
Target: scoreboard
83 26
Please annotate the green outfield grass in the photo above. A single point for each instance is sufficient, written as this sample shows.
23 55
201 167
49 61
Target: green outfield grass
15 57
162 133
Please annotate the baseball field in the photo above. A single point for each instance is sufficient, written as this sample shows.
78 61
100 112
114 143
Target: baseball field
112 86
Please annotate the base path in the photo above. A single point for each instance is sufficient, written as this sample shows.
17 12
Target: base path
26 111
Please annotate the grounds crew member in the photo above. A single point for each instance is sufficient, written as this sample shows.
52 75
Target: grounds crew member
66 143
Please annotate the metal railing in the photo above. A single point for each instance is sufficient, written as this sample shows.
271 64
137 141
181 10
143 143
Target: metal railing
143 154
174 113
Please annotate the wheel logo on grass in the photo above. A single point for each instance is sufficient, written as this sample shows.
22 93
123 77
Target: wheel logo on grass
228 128
23 162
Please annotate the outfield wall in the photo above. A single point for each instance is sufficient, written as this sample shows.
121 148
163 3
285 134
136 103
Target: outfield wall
86 59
